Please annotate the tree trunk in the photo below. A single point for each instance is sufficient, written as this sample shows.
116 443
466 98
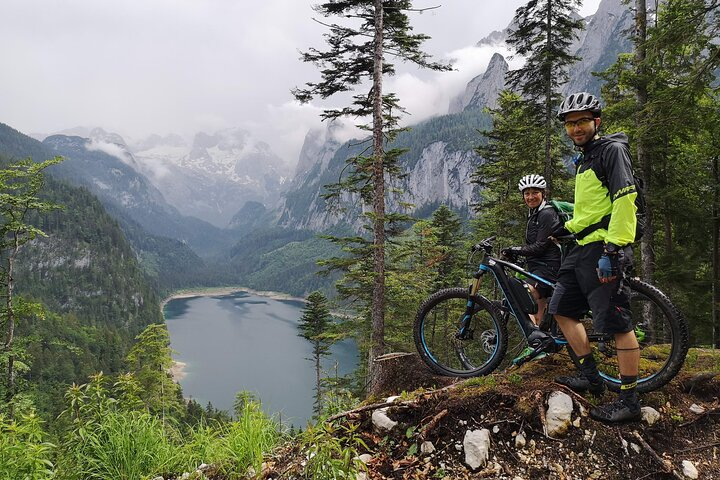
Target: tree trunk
400 371
377 340
644 160
548 106
716 254
318 391
10 333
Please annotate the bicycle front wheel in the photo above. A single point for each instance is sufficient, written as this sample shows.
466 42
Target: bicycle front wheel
438 324
661 332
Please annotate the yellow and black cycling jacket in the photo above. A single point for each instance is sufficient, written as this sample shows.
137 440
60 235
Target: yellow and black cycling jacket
604 185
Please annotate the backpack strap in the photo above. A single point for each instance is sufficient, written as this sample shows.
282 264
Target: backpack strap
603 223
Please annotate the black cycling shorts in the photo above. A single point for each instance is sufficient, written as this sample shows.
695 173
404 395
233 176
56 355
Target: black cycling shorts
545 272
579 290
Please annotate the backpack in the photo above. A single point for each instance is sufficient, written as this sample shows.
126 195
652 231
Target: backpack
564 209
641 213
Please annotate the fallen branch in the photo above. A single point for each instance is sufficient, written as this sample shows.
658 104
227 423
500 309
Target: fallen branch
575 395
408 403
707 413
543 416
431 425
699 379
701 447
665 464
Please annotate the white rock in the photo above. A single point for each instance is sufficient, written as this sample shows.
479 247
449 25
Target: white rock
650 415
559 413
635 447
365 458
576 422
381 421
496 429
695 408
520 440
427 448
689 469
361 476
477 447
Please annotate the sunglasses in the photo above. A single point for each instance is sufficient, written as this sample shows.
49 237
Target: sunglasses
582 123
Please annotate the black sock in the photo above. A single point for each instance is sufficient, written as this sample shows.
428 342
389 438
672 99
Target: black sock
588 367
628 391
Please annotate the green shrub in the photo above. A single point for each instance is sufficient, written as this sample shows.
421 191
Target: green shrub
23 453
121 445
332 451
246 440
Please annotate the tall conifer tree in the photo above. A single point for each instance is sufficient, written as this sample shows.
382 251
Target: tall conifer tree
356 57
544 31
314 327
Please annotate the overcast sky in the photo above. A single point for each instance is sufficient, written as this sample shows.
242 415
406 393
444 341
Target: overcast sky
138 67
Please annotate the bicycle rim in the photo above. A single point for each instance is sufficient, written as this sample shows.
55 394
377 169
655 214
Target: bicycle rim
662 334
436 328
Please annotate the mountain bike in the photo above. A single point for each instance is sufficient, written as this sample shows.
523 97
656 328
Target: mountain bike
460 332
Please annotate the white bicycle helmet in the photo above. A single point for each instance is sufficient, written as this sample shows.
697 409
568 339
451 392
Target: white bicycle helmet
532 181
579 102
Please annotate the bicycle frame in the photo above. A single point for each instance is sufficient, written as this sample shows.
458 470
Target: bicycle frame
498 268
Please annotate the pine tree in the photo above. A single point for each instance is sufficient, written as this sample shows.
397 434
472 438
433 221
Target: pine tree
357 55
447 228
511 152
315 325
545 30
149 361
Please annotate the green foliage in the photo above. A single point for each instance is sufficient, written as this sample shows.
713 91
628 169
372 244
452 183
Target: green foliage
543 32
332 451
149 361
24 452
316 326
121 445
245 441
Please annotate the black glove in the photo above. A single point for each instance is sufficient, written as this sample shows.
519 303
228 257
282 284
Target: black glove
510 252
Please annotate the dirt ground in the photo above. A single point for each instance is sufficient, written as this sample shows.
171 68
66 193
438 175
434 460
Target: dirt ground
507 403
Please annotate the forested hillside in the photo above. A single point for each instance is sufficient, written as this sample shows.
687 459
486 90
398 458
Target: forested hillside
169 262
95 298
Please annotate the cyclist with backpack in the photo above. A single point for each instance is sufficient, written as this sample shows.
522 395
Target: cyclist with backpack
590 278
543 256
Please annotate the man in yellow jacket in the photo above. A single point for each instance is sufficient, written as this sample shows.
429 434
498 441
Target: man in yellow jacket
590 278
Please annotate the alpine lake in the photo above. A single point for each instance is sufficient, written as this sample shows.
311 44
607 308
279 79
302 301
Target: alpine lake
227 343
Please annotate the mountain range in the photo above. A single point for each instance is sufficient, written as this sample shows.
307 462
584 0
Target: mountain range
213 196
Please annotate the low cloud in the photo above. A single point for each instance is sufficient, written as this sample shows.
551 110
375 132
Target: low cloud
112 149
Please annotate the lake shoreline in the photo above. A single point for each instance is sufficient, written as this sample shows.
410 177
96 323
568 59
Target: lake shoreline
178 369
213 291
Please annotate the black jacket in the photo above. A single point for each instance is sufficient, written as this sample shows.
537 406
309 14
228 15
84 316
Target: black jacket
538 248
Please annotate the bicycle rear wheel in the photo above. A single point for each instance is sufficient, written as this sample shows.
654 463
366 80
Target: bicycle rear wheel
438 323
661 332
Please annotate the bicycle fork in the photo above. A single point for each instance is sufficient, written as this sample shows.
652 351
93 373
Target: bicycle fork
466 333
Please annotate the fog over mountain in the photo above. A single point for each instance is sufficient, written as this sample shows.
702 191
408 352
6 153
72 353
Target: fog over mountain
140 68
